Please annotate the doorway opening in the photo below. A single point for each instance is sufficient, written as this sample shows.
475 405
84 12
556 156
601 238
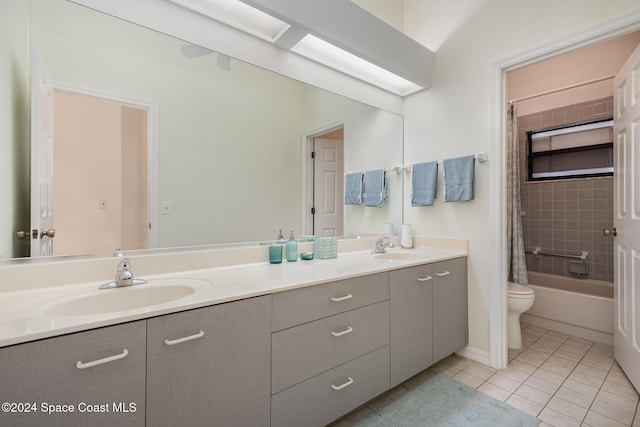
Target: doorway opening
589 39
325 178
101 174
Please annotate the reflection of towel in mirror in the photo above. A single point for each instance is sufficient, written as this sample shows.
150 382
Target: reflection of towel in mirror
375 190
458 179
353 189
424 177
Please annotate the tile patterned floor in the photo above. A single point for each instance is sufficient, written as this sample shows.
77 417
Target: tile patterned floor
563 380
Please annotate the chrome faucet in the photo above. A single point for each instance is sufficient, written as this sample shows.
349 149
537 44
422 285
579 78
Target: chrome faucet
124 277
381 246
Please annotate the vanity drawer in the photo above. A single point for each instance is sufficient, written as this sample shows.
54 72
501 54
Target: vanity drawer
304 351
316 402
299 306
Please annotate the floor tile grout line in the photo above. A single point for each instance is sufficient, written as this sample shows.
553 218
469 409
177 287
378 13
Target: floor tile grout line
572 371
454 369
565 380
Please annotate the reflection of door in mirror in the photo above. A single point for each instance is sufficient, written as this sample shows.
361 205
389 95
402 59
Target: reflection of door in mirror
100 175
41 158
328 178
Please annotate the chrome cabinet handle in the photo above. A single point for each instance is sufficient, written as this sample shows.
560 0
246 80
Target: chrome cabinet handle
341 333
81 365
341 386
424 279
344 298
444 273
185 339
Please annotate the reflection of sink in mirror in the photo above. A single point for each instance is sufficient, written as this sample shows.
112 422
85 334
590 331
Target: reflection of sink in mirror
127 298
399 256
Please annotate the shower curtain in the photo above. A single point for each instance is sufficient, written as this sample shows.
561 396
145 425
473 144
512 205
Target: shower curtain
515 241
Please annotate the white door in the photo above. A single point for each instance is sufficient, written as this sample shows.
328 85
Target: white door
627 218
42 230
328 187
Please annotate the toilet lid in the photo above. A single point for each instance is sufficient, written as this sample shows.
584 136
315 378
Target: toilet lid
515 288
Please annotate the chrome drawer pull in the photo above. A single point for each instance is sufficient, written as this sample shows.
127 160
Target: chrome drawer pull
424 279
444 273
340 387
346 297
339 334
122 355
185 339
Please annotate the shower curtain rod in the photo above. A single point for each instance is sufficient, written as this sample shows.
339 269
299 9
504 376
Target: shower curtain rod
549 92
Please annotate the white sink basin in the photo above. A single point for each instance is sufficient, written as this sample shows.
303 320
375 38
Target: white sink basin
398 256
127 298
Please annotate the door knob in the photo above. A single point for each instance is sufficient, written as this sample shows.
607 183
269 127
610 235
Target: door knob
51 233
21 234
610 232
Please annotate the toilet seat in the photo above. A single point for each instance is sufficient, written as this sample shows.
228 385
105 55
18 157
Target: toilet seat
516 290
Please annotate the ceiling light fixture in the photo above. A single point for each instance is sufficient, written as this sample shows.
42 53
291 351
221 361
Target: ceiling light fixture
335 33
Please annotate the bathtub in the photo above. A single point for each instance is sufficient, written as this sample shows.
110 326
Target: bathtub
581 308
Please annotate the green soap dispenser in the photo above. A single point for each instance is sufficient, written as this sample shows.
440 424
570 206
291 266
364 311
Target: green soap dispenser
292 248
280 239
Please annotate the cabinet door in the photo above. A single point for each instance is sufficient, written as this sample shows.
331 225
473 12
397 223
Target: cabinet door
210 366
450 308
411 322
94 378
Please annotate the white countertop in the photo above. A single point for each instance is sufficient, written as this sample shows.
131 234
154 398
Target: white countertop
30 314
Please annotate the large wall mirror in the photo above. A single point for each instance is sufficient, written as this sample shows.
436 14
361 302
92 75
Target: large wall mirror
156 143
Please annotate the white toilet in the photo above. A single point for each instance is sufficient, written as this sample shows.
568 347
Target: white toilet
519 299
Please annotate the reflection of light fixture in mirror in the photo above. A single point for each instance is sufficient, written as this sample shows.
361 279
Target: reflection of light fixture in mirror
239 15
332 56
224 62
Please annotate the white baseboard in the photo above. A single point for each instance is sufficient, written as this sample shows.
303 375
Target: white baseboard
565 328
475 355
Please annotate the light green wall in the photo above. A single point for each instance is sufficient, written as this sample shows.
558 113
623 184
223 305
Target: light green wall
228 142
14 122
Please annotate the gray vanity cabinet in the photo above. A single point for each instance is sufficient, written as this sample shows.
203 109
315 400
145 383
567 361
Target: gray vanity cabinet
330 349
450 307
411 291
428 315
210 366
93 378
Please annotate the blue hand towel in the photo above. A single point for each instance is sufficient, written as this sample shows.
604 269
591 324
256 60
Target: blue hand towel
424 177
375 190
458 179
353 188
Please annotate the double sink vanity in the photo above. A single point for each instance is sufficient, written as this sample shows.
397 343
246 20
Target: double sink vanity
231 343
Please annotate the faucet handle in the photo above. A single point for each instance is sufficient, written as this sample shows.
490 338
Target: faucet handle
124 277
379 245
124 265
124 273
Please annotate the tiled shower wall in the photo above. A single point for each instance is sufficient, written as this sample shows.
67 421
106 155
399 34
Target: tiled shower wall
567 216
